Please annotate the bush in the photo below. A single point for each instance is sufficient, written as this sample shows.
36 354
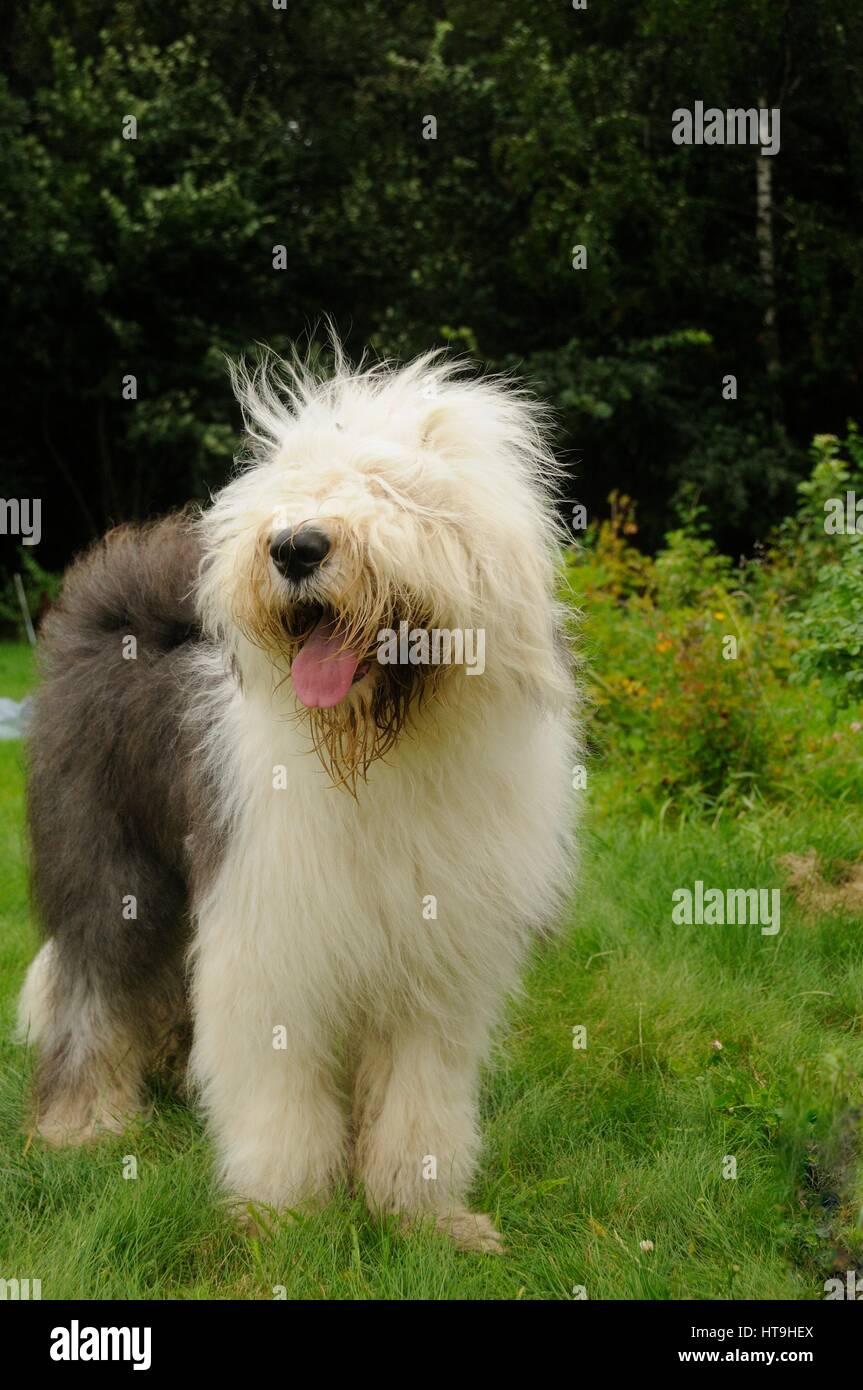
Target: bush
713 683
831 627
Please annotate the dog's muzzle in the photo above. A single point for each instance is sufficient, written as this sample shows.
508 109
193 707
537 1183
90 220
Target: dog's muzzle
324 668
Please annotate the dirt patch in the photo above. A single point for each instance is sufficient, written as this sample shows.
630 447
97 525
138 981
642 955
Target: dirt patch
814 892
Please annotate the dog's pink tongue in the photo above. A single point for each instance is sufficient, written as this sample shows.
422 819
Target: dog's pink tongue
323 668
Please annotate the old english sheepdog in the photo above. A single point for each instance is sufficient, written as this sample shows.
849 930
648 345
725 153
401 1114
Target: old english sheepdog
323 868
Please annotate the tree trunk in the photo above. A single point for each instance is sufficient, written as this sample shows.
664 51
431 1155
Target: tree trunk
764 240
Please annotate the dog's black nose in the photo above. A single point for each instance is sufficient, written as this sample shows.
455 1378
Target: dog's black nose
298 553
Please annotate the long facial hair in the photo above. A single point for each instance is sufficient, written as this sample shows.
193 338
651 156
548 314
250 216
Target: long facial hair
367 724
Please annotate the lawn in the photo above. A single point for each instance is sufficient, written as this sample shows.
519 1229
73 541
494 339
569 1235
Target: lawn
710 1051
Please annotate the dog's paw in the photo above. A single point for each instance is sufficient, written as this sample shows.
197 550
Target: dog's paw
65 1126
471 1231
256 1220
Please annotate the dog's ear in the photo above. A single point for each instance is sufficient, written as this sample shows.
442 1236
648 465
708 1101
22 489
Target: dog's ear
459 416
496 435
488 418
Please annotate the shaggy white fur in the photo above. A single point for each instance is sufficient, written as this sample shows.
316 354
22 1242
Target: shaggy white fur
389 928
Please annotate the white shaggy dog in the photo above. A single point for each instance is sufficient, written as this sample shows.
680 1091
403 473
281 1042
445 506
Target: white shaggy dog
352 922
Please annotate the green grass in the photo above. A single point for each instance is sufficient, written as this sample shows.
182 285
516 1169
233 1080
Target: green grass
17 669
588 1152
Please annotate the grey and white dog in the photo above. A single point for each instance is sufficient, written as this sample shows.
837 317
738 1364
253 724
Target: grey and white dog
245 826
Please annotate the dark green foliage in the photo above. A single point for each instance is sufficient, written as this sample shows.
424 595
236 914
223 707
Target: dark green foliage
303 127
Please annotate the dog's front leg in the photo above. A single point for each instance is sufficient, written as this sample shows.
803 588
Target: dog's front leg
266 1084
417 1138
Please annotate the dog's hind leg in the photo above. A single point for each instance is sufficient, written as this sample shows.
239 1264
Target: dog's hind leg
102 997
90 1069
108 812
